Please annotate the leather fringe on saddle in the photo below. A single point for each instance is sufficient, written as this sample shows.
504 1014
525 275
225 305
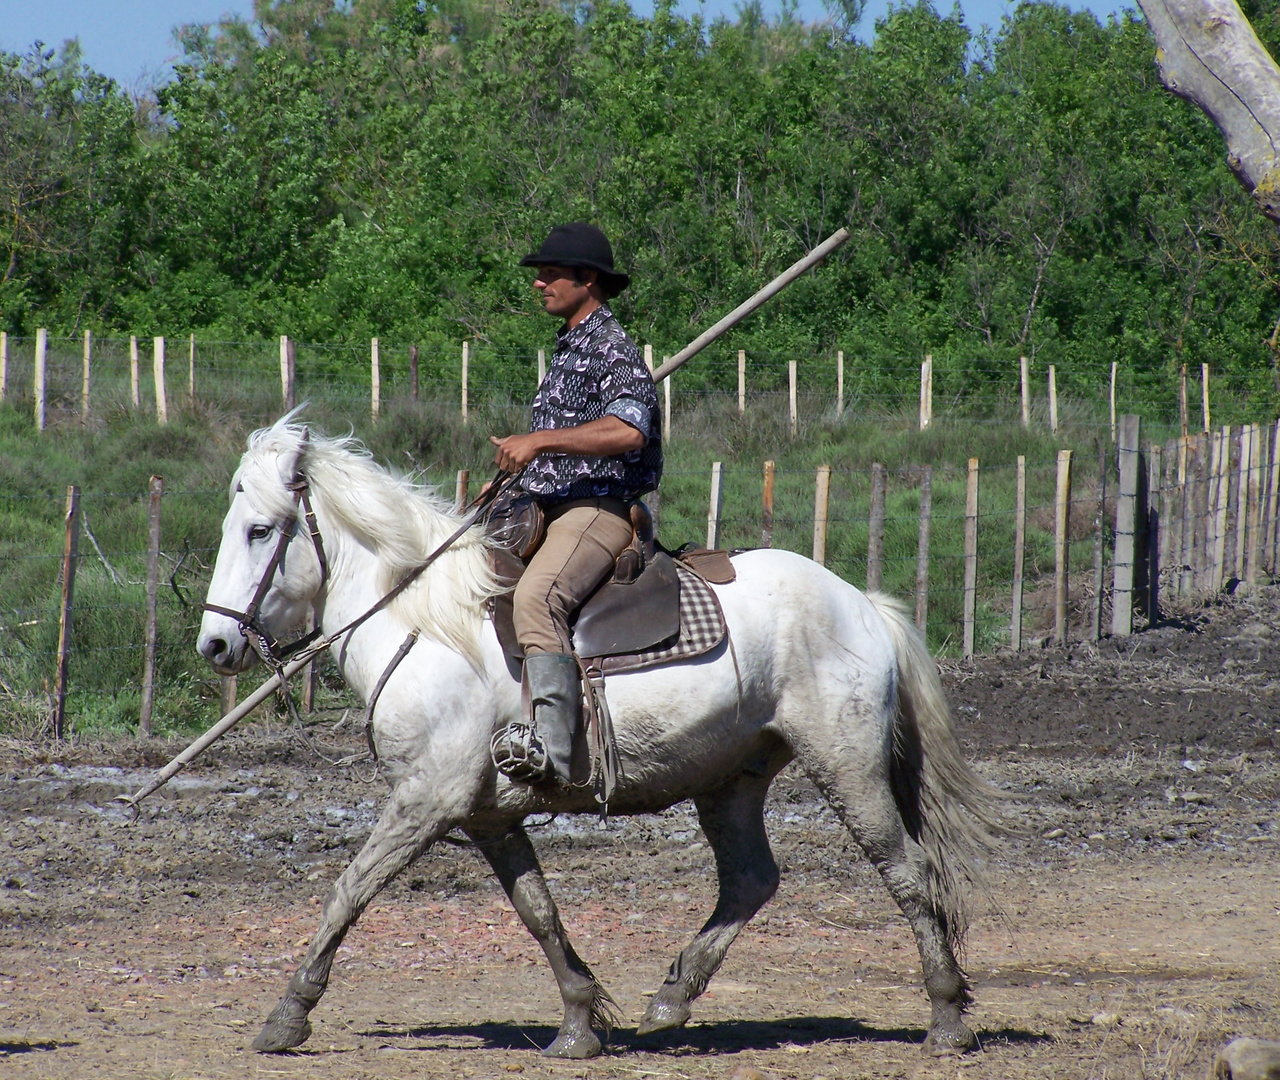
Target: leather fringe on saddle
605 766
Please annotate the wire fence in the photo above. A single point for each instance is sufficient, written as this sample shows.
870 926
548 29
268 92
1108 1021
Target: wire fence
88 376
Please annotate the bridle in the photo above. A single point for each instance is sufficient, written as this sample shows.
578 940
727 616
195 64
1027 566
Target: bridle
273 654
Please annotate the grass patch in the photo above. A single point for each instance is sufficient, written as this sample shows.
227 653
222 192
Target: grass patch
112 458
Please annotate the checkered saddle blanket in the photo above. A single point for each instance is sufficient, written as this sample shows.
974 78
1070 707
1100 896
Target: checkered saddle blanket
702 628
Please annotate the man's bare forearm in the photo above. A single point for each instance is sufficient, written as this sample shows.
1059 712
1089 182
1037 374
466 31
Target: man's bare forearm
605 437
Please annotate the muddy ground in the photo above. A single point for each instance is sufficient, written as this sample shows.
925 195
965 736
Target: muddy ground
1134 929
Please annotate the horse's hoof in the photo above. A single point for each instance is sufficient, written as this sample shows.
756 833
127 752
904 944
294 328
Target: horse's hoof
663 1016
953 1037
574 1045
282 1031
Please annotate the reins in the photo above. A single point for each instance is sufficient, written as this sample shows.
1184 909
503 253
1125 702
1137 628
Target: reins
273 654
302 653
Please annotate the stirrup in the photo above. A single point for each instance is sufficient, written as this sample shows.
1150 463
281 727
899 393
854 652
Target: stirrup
517 752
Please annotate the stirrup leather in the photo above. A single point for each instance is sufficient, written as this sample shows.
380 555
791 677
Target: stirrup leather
517 752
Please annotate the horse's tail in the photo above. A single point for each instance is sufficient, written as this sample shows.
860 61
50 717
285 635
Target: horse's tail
950 811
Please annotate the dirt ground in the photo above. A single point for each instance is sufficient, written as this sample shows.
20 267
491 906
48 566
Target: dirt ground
1133 929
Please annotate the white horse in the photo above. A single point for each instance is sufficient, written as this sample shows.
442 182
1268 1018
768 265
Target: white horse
818 672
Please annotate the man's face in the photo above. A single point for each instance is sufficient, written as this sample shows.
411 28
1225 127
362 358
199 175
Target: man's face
562 294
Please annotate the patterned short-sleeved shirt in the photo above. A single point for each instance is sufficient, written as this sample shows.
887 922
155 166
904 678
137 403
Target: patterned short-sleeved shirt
596 371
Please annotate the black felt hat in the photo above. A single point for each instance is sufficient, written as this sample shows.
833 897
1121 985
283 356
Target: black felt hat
580 244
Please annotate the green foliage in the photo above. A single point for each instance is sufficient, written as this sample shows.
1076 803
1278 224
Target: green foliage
378 167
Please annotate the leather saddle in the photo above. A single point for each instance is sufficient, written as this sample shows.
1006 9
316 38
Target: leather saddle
635 610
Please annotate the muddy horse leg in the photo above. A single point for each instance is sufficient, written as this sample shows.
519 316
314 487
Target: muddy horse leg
732 818
864 802
586 1002
411 821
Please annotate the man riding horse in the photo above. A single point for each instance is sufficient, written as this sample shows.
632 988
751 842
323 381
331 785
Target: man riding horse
594 446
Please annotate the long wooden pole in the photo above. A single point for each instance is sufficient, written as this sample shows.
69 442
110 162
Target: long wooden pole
466 378
1204 395
742 382
1183 411
155 492
191 370
4 365
375 382
413 372
747 307
70 551
229 721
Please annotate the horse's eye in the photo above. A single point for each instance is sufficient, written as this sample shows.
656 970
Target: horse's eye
259 532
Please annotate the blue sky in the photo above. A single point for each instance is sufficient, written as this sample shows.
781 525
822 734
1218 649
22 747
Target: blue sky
132 40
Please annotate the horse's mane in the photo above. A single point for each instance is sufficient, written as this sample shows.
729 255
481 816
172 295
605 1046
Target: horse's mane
396 517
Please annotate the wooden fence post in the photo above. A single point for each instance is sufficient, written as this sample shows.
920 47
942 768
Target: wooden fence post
742 382
1114 368
288 390
1272 563
42 361
1253 544
462 492
413 372
922 549
1019 551
191 370
1053 399
1201 515
1155 487
840 383
1061 546
970 557
1026 391
716 506
666 404
375 382
926 392
1221 491
1099 547
4 366
227 693
542 362
1126 527
875 529
1243 507
766 509
70 552
84 381
157 373
1183 413
466 379
1204 396
791 381
821 506
135 380
155 491
311 673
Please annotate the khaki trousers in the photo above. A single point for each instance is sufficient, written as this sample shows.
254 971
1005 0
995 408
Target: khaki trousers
584 539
